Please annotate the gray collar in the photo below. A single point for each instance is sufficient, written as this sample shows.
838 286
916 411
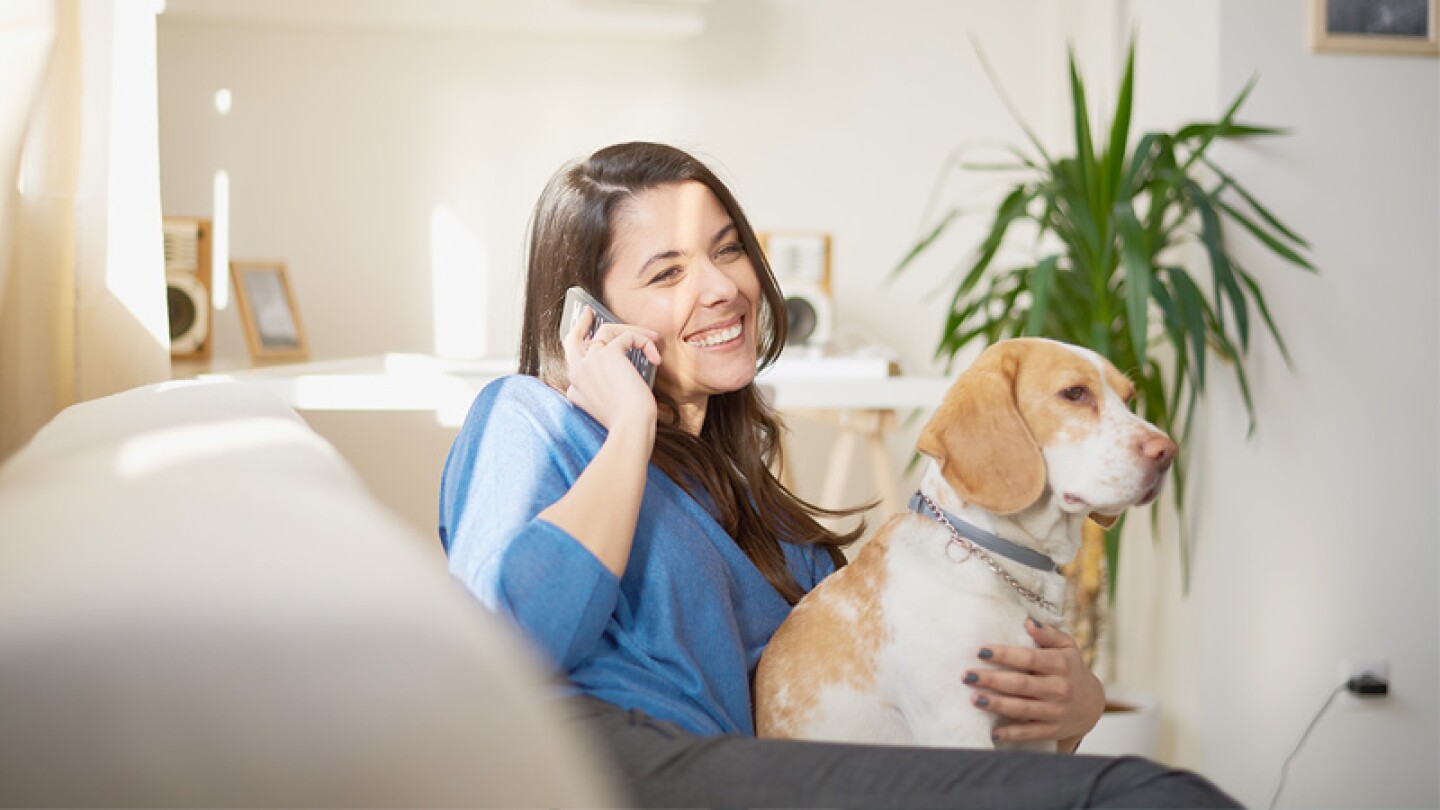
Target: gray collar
986 540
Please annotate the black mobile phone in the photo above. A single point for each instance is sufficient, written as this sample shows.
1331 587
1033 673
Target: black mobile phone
576 299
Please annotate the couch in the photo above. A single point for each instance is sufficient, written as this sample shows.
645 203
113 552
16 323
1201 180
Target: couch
202 605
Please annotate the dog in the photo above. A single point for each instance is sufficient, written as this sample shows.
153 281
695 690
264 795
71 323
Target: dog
1029 441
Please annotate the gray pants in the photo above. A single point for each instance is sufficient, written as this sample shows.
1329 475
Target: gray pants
664 765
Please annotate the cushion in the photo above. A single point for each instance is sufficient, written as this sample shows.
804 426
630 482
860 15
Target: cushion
201 604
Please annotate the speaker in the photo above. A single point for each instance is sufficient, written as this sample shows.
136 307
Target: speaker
800 261
187 282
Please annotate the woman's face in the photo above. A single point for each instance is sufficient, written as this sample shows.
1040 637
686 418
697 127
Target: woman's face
678 267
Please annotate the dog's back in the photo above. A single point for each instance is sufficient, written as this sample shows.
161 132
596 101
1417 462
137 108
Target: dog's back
818 679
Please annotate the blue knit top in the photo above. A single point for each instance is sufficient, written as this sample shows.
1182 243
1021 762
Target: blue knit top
678 636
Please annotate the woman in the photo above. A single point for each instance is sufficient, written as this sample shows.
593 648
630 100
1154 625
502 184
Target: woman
639 538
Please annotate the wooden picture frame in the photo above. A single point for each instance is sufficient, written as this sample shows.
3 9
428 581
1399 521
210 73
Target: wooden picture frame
1376 26
798 257
268 312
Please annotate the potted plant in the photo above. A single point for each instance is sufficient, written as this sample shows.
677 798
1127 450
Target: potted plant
1106 226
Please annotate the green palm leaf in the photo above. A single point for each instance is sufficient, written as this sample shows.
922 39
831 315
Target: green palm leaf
1106 225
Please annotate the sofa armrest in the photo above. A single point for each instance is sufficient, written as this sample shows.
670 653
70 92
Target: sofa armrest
201 604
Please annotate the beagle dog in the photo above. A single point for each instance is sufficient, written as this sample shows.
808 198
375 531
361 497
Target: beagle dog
1032 439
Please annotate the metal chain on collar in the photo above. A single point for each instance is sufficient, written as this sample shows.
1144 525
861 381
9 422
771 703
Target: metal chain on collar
964 542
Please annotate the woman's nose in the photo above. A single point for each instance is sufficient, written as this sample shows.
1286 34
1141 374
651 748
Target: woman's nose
716 285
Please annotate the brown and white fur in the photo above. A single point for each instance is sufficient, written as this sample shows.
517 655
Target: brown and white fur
1030 440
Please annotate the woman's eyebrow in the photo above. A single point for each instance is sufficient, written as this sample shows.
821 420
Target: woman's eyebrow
663 256
722 233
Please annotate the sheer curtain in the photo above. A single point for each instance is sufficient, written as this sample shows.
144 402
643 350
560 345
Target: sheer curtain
82 280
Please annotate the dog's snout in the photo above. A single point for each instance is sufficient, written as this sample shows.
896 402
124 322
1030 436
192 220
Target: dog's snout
1158 448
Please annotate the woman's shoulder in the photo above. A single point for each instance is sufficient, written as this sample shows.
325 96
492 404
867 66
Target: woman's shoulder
517 401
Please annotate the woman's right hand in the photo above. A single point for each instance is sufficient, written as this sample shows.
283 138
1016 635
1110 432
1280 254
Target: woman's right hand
602 380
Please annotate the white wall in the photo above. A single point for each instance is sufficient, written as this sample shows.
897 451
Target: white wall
796 108
1315 540
342 145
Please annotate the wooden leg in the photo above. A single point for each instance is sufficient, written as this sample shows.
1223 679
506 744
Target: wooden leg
838 474
880 466
785 469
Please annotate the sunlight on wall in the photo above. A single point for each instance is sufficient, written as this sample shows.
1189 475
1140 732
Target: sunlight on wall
134 255
458 271
220 241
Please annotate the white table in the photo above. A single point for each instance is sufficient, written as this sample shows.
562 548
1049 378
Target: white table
856 397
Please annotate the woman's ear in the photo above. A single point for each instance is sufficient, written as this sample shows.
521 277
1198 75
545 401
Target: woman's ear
981 443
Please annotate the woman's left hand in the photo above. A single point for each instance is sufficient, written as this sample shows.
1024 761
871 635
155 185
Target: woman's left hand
1048 690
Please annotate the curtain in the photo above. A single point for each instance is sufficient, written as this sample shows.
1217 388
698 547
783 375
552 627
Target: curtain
82 281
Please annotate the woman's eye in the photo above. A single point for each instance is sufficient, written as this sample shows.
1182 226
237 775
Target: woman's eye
666 274
1075 393
732 250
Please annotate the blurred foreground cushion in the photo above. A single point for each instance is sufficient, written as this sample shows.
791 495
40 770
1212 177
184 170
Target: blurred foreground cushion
201 604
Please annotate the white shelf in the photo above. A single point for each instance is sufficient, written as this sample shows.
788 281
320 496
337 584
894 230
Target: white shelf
416 382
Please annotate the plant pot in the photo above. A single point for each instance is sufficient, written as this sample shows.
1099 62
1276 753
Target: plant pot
1130 726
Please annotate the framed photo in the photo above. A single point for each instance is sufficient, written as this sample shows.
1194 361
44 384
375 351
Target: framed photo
268 312
1375 26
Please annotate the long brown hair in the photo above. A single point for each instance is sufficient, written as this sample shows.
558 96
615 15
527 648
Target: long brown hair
570 240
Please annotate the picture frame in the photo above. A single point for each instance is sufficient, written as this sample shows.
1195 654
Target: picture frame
268 312
1376 26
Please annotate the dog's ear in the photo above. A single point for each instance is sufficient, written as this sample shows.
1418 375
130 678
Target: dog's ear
977 436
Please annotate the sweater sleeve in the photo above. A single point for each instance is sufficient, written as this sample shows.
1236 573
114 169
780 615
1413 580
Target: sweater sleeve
520 450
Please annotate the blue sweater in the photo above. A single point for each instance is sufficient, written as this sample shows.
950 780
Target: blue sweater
678 636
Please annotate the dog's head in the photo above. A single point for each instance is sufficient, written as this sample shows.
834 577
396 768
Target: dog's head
1030 413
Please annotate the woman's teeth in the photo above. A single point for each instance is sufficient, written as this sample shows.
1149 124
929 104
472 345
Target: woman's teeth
717 337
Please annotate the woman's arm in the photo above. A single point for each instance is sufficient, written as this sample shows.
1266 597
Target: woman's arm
601 509
521 449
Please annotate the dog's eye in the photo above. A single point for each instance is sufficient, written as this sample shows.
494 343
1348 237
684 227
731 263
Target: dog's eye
1075 393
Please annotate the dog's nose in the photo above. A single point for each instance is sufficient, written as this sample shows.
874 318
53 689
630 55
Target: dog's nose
1159 449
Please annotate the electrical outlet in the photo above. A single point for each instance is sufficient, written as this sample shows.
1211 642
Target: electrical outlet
1352 669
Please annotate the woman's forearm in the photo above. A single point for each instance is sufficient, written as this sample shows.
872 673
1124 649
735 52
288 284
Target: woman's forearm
601 508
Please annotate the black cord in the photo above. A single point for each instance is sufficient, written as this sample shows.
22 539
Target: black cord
1284 769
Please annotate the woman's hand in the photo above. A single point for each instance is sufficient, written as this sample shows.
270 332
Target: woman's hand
602 380
1048 691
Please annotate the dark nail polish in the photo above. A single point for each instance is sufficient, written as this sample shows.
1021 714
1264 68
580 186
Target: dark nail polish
987 653
971 677
1038 625
982 701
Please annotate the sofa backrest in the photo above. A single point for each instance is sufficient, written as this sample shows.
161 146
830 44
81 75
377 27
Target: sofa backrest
201 604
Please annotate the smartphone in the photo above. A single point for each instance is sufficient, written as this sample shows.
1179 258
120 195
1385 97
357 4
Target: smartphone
576 299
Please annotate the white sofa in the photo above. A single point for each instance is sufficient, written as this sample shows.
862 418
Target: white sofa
201 604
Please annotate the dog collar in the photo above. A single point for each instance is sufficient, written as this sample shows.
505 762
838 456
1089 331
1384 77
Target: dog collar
990 542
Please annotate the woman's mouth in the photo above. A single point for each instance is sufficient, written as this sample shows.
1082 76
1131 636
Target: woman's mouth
717 336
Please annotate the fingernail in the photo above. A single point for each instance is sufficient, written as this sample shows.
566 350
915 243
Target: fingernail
995 737
987 653
971 677
983 701
1038 625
